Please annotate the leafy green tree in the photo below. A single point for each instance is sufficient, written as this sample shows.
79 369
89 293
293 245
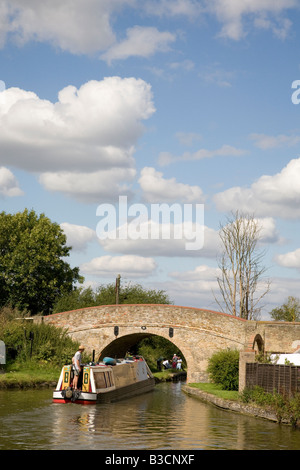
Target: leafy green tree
77 298
106 295
33 272
130 294
289 311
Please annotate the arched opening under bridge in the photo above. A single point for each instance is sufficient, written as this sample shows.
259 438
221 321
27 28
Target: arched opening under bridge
130 344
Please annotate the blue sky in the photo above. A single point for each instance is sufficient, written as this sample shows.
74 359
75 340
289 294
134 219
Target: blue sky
184 101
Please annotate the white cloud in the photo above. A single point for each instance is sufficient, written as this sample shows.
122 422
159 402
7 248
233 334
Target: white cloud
162 239
276 195
127 266
98 186
80 27
78 236
188 8
289 260
200 273
265 142
141 42
86 26
165 158
266 14
9 185
158 189
85 139
268 233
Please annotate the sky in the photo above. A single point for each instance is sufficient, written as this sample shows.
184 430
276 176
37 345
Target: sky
188 103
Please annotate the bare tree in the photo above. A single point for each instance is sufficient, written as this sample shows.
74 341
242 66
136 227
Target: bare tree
241 280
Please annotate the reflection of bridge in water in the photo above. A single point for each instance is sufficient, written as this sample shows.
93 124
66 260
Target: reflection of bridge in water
112 330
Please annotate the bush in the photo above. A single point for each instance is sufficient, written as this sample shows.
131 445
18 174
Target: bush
286 408
223 369
44 343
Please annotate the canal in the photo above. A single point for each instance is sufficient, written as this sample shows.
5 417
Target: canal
163 419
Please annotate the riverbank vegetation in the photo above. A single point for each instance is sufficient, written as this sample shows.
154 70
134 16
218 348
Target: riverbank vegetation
223 370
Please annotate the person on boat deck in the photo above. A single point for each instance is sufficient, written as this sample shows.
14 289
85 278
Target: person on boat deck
77 365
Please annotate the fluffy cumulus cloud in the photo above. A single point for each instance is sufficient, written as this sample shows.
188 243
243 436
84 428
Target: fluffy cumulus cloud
153 238
78 26
9 186
158 189
126 265
85 139
78 236
86 26
193 287
289 260
81 27
271 195
268 231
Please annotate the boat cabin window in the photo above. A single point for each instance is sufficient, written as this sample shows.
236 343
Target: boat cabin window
103 379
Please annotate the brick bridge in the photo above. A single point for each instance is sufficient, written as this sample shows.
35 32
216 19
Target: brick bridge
114 329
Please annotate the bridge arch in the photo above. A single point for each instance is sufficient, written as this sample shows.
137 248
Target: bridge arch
197 333
258 344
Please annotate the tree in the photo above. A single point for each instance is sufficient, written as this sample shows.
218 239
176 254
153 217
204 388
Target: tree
240 265
33 272
106 295
289 311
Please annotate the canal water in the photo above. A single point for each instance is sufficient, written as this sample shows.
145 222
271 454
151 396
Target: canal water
165 419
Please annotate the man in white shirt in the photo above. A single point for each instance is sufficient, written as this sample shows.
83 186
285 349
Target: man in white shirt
77 365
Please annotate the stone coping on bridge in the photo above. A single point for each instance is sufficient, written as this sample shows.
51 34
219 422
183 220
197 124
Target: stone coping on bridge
151 305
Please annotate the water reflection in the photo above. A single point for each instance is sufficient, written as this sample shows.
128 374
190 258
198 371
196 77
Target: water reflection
163 419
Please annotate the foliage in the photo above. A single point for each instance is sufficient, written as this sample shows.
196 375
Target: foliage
257 395
106 295
286 408
223 369
289 311
43 343
33 272
77 298
154 347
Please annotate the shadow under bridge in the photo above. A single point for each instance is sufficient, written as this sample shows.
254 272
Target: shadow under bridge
120 346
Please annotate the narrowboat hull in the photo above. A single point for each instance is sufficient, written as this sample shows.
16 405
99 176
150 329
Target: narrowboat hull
103 383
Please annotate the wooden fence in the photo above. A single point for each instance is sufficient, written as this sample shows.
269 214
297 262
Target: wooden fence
284 379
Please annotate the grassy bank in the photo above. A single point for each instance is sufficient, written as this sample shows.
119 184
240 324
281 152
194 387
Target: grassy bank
29 375
216 390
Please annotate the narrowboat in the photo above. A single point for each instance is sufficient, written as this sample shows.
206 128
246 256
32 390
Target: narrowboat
107 381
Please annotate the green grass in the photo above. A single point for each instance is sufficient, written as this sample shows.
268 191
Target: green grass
29 374
216 390
167 374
